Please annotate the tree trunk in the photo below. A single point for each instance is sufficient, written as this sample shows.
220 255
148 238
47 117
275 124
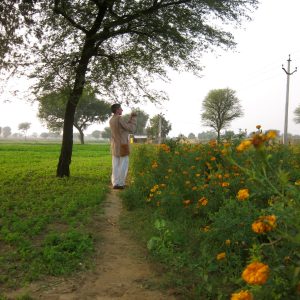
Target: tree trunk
63 167
81 135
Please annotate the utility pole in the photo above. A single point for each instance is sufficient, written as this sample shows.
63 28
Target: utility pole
288 73
159 129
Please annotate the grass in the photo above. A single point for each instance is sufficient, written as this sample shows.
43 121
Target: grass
44 220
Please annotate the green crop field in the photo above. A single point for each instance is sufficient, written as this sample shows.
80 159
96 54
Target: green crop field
44 220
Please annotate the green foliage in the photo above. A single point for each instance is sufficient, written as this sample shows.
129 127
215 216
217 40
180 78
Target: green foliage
210 204
44 220
220 107
157 123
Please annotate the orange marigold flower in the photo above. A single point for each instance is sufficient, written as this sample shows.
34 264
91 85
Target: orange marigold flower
165 148
202 202
221 256
227 242
242 295
197 175
256 273
194 188
242 194
225 184
258 140
206 228
186 203
213 158
264 224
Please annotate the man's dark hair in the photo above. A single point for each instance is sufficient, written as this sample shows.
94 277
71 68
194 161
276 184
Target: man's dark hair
114 107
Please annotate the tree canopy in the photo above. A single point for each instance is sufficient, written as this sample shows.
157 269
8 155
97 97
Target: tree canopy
89 110
297 115
220 107
159 127
118 47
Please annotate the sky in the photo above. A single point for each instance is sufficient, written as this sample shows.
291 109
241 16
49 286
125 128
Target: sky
253 70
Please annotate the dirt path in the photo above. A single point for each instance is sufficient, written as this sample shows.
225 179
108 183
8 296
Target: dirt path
121 271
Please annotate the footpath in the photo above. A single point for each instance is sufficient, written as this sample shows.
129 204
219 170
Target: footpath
120 271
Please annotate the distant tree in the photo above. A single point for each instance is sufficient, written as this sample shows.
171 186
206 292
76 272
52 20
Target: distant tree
191 136
6 131
96 134
0 131
44 135
207 135
297 115
153 129
142 119
24 128
106 134
220 107
89 110
228 135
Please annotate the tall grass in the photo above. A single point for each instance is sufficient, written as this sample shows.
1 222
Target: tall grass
44 219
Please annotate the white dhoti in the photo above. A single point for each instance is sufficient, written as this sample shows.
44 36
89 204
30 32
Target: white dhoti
119 170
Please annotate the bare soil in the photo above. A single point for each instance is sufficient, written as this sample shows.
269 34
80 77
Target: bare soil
121 270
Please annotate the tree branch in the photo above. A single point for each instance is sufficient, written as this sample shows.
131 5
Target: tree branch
60 11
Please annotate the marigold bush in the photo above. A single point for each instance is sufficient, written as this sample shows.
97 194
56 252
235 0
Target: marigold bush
237 200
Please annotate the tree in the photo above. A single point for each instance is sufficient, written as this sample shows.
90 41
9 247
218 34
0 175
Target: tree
220 107
44 135
0 130
297 115
142 119
96 134
6 131
89 110
106 134
24 127
118 46
191 136
207 135
154 127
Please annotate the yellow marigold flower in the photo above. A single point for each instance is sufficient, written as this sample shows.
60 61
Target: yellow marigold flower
244 145
242 295
170 170
297 182
206 228
264 224
243 194
271 134
221 256
227 242
187 182
194 188
154 165
193 167
163 185
197 175
258 126
256 273
225 184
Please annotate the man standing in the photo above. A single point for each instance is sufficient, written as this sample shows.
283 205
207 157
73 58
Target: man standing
120 129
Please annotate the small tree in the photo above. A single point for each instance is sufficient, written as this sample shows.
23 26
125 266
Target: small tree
89 110
191 136
6 131
297 115
106 134
142 119
155 126
96 134
24 127
220 107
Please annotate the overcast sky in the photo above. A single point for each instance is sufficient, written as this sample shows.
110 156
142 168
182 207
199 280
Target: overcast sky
253 70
